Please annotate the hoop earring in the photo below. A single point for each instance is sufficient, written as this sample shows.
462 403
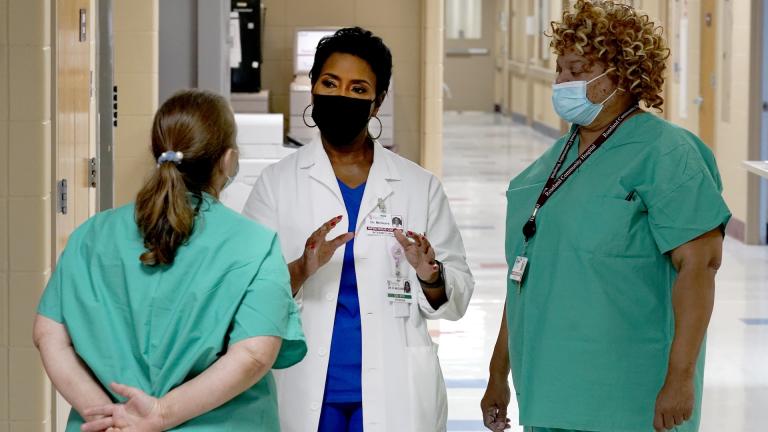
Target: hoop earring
381 129
304 117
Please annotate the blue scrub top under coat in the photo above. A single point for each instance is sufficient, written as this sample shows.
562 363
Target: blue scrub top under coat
343 383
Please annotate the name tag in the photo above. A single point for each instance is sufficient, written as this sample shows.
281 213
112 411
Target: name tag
518 270
399 290
383 224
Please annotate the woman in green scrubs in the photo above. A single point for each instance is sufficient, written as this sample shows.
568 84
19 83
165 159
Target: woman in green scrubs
183 302
613 240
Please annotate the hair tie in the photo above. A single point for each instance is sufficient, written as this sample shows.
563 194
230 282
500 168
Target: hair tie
170 156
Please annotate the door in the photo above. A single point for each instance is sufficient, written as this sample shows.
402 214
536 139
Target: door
74 143
708 72
470 34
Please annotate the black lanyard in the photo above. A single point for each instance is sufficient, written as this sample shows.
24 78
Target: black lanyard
554 181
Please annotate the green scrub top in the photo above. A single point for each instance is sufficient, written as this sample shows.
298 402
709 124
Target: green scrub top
591 330
156 328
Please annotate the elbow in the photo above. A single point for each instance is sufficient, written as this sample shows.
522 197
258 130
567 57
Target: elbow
260 354
714 263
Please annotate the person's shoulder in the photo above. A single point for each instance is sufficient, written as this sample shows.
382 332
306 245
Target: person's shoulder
538 171
109 223
408 168
284 165
665 137
237 227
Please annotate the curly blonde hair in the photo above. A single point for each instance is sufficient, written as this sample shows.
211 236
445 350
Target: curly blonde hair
622 38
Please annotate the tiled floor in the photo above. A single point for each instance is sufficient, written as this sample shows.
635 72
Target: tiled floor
482 153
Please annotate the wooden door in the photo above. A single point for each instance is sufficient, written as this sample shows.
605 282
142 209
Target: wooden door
708 73
74 143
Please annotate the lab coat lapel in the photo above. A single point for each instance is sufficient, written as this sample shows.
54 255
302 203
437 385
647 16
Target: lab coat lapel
316 161
383 171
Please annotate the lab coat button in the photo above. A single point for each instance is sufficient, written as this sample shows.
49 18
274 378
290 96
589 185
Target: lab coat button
315 406
322 352
329 297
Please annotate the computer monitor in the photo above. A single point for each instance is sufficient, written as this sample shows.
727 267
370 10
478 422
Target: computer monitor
305 45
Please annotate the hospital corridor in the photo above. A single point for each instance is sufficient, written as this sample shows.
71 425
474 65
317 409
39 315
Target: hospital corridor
384 216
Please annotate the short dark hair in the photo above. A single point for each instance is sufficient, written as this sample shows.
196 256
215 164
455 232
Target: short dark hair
359 43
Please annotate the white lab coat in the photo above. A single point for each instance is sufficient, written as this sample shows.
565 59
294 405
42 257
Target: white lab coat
402 384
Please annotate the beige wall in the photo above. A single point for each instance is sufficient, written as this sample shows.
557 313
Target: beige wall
672 100
398 22
135 25
432 89
25 207
531 74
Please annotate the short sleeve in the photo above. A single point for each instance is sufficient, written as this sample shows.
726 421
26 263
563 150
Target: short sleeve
50 302
268 309
686 199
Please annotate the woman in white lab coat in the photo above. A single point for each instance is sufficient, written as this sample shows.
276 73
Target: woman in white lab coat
364 286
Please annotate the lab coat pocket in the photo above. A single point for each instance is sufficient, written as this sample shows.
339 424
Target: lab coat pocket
429 400
616 227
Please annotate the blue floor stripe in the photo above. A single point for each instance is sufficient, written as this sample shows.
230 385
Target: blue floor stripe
466 383
466 425
755 321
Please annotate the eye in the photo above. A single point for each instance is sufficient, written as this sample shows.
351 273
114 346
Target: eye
329 83
359 90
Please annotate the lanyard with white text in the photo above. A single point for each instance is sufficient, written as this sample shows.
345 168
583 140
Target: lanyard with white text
554 181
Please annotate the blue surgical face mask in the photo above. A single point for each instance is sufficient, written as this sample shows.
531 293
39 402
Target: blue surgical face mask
572 104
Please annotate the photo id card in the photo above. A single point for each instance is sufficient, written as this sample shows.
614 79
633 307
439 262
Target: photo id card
383 224
518 270
399 290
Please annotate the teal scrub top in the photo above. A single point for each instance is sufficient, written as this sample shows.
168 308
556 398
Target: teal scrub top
591 329
156 328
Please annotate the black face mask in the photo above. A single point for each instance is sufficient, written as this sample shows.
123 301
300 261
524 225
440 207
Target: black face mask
340 118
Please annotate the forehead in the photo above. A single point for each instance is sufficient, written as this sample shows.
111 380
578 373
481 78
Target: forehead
348 66
571 56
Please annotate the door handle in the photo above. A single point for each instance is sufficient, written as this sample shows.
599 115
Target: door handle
698 101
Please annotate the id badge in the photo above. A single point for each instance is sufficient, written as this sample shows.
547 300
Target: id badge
383 224
518 269
399 290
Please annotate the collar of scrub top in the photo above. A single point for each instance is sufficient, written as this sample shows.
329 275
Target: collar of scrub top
314 159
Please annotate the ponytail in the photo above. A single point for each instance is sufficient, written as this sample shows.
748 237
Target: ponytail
164 215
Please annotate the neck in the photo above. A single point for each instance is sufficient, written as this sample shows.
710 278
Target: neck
361 149
609 114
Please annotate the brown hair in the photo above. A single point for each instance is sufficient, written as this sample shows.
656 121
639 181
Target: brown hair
621 37
201 126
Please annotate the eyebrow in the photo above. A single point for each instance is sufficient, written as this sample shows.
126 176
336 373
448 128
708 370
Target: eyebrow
356 81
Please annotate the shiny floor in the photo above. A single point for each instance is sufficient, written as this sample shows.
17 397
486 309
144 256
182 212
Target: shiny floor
482 153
